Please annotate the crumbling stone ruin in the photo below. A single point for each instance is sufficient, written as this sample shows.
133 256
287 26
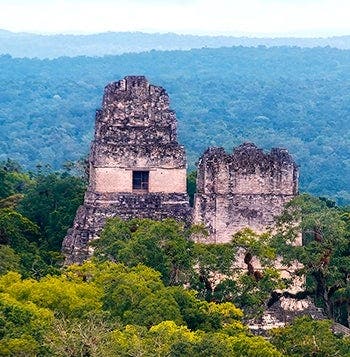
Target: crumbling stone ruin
283 311
137 167
247 188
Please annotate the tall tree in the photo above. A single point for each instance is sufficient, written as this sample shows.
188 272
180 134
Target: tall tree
325 250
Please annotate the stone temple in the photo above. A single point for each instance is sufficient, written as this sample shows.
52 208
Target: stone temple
247 188
137 167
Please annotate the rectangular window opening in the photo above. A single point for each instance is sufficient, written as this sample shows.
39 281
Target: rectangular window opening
140 181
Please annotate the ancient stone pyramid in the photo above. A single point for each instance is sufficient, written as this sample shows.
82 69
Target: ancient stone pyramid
137 167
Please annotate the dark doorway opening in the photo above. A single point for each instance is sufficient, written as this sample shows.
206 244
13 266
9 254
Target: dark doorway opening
140 181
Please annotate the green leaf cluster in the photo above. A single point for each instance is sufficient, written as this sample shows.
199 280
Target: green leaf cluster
36 209
325 251
100 309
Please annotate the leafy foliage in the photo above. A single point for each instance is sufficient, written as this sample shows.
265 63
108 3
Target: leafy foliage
51 203
191 185
131 300
164 246
22 324
9 260
309 338
35 213
109 309
210 269
281 96
324 253
12 180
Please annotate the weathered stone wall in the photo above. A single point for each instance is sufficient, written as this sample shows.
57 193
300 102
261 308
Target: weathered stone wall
111 179
247 188
134 131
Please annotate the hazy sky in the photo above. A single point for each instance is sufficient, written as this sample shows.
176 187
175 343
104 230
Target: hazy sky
236 17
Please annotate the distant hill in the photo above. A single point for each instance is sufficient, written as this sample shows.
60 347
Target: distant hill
276 97
114 43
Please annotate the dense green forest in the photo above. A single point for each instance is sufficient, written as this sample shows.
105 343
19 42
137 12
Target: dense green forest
289 97
114 43
130 299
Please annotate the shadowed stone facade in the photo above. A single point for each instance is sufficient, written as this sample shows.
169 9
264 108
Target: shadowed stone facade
247 188
137 167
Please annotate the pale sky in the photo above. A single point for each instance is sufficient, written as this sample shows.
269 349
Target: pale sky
230 17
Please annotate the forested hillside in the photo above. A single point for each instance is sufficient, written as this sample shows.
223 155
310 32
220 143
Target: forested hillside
290 97
114 43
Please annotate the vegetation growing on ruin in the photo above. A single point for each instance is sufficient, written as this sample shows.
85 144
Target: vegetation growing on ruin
131 300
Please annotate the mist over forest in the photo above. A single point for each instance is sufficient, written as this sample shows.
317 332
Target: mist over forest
32 45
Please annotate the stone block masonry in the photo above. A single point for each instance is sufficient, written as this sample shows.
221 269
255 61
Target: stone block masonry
247 188
137 167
